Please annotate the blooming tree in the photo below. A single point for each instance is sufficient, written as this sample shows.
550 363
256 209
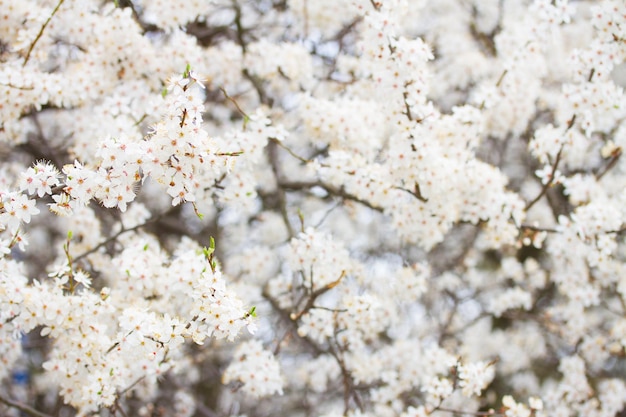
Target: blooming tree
312 208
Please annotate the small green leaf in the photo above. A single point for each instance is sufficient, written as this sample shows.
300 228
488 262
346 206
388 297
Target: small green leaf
252 311
145 247
69 235
187 71
208 251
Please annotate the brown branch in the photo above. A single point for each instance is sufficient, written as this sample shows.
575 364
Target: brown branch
131 386
443 258
232 100
115 236
257 83
117 407
548 183
348 383
239 26
416 193
280 192
338 192
182 119
22 407
444 327
469 413
133 10
619 231
538 228
17 87
499 82
405 96
570 123
39 147
615 155
40 34
350 391
376 4
593 70
339 38
292 153
345 30
285 315
310 303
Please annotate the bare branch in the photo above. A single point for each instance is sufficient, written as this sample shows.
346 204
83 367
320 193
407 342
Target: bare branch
22 407
40 34
547 185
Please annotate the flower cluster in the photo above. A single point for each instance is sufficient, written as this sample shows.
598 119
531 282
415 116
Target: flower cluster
256 369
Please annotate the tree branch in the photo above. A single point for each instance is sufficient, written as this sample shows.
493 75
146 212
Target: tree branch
22 407
547 185
40 34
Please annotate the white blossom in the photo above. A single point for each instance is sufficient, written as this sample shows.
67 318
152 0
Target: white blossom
257 369
343 208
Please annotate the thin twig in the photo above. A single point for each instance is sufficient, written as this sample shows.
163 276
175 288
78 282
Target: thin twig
23 407
538 228
232 100
239 26
310 303
499 82
376 4
17 87
548 183
299 185
114 238
416 193
348 382
286 316
469 413
328 212
615 155
292 153
40 34
280 192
